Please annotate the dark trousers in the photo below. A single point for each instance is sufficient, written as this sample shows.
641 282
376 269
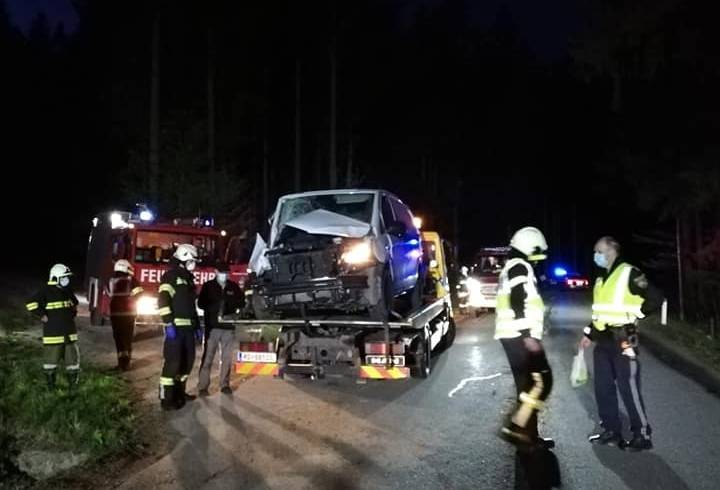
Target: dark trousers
179 354
615 371
123 327
533 380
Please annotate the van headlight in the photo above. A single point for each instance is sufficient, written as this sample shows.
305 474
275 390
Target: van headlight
146 305
357 254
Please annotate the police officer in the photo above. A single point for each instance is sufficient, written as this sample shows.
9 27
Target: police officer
56 306
622 295
221 296
123 289
519 327
176 305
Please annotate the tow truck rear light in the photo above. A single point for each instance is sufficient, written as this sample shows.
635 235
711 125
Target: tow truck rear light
381 348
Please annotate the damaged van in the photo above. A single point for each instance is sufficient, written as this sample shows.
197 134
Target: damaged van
345 251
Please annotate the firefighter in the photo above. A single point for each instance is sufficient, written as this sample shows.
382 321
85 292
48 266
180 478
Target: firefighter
622 295
176 305
519 327
123 289
56 306
221 296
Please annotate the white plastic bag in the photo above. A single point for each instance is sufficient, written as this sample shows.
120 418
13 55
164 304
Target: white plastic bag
579 372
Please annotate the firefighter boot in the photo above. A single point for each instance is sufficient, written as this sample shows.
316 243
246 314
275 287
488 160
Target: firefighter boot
50 377
188 397
73 378
167 398
178 395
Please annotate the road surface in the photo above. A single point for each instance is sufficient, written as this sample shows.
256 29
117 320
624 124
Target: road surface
438 433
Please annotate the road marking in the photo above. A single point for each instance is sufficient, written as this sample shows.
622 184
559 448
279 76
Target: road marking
465 381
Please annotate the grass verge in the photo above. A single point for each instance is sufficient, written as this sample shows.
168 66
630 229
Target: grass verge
98 420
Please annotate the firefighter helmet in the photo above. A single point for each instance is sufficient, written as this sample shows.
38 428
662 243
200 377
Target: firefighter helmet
185 252
531 242
59 270
123 265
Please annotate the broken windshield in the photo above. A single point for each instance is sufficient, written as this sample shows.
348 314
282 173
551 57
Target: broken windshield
356 206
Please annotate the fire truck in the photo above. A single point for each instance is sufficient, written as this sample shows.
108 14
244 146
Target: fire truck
148 244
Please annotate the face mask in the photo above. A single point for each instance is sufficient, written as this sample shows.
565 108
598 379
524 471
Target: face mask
64 281
222 277
600 260
190 265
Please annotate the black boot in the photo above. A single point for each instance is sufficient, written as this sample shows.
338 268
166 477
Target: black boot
637 443
73 378
178 395
50 377
188 397
167 397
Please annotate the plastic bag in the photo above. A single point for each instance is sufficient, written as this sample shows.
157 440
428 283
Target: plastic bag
579 371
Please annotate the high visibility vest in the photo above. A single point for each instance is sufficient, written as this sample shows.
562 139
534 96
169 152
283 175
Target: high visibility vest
613 303
506 325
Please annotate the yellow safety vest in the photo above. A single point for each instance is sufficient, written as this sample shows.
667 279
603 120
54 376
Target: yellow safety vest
506 325
613 303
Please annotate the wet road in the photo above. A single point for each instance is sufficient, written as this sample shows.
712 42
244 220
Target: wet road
438 433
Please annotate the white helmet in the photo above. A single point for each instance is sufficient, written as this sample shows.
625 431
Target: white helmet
123 265
531 242
185 252
59 270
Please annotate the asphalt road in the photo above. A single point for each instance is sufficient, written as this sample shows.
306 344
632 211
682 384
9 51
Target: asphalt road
438 433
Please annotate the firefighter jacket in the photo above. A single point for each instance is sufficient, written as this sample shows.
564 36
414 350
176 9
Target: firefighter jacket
123 290
215 300
520 310
60 306
176 298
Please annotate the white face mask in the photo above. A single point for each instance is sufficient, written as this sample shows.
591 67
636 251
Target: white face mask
190 265
64 281
222 277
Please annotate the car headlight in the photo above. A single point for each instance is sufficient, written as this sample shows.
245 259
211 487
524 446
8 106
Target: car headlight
360 253
146 305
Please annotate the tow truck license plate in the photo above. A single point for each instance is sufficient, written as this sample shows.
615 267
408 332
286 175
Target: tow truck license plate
382 360
257 357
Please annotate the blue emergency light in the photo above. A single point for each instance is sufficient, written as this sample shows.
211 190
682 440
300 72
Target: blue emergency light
560 272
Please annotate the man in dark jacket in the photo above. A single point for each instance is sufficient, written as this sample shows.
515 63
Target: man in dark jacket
221 296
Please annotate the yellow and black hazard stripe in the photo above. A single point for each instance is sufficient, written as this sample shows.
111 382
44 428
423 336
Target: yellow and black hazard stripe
379 372
256 368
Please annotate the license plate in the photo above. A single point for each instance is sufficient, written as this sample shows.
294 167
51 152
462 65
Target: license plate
268 357
383 360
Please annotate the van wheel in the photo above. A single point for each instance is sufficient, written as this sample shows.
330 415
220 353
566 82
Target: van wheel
380 311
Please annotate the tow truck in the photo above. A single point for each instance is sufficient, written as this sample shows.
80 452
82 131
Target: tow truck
148 244
396 349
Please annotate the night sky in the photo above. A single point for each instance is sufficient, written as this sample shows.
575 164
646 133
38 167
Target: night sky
515 124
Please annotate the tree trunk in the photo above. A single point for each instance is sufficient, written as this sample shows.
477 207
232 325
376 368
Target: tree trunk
298 166
332 161
154 157
211 117
349 168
